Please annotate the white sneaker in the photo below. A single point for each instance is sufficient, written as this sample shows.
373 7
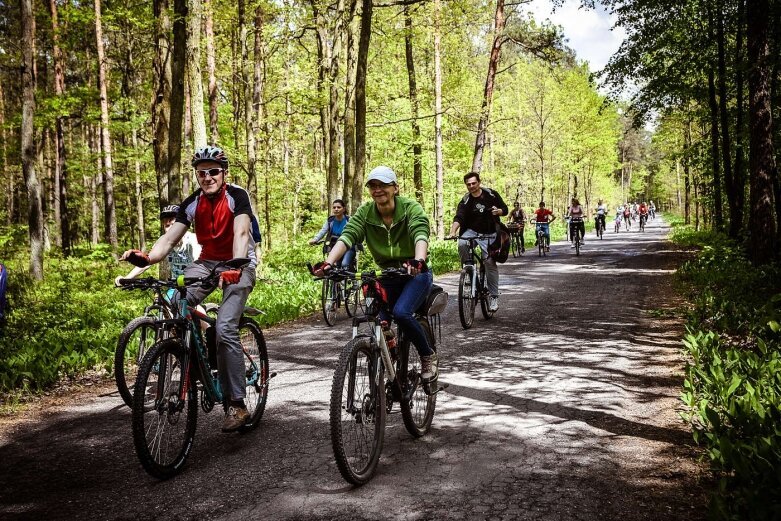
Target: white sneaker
493 304
572 245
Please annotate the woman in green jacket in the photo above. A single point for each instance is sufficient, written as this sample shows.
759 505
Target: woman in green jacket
396 231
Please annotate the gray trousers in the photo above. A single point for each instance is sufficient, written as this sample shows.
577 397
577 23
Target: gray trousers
491 269
230 355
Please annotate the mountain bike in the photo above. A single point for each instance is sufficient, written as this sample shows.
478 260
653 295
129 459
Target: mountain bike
543 242
166 394
575 233
617 223
516 239
643 219
599 225
335 293
471 285
370 377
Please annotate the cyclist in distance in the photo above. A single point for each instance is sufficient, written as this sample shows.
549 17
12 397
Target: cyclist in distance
478 214
601 213
221 214
518 218
332 229
627 215
396 231
576 212
182 255
544 216
652 209
642 211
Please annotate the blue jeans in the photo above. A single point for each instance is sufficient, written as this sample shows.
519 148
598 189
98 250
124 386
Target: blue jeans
348 258
405 296
545 227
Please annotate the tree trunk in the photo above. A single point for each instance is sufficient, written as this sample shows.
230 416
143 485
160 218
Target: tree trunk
211 66
488 92
761 155
194 77
110 213
687 150
139 194
258 91
35 208
10 186
161 107
248 89
438 121
718 220
726 146
179 56
61 171
417 149
739 179
349 107
360 100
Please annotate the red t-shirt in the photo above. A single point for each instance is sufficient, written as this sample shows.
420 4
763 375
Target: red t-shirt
541 215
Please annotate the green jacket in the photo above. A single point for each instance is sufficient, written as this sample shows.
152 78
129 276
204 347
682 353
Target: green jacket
389 246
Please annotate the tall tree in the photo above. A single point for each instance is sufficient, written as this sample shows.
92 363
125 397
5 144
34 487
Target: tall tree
179 57
35 208
110 212
488 91
211 67
61 166
161 103
360 100
761 154
194 78
439 209
417 148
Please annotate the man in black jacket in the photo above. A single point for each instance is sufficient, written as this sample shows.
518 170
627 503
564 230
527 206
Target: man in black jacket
477 214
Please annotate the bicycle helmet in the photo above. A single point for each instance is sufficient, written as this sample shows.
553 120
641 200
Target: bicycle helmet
210 153
169 211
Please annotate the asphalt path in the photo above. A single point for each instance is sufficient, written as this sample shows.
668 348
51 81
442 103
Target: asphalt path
564 406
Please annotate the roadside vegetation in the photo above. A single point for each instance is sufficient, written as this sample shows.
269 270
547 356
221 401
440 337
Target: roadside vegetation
732 388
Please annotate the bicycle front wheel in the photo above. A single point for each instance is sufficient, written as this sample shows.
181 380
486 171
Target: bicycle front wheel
417 407
357 414
577 245
256 370
165 410
330 301
483 291
134 341
466 301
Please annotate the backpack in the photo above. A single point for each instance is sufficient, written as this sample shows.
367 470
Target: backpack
499 248
3 288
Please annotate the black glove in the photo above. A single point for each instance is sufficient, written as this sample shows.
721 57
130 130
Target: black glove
321 269
418 264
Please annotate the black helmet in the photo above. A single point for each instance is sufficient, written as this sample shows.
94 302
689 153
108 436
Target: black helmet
169 211
210 153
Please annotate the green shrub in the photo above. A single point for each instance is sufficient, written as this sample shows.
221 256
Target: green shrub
732 387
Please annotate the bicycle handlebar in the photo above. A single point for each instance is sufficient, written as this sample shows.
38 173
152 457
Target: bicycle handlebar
182 281
336 273
475 238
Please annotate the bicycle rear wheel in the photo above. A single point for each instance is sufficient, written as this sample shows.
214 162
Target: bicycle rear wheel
466 301
330 301
351 297
357 411
256 370
417 407
165 410
133 343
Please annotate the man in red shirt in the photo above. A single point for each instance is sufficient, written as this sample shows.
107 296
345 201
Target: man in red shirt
221 214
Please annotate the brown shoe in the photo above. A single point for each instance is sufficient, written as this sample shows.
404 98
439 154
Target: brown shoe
429 369
235 418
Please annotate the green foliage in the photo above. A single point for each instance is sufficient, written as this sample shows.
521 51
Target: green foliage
732 388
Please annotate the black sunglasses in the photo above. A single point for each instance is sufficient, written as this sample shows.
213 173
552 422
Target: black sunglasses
212 172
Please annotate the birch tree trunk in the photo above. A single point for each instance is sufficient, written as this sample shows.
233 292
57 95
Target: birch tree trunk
488 92
438 120
61 211
249 113
259 85
349 106
110 217
195 79
417 149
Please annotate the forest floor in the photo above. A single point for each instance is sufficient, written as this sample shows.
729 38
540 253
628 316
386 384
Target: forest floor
564 406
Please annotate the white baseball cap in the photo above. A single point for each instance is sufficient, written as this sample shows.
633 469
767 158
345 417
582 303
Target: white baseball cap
382 174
